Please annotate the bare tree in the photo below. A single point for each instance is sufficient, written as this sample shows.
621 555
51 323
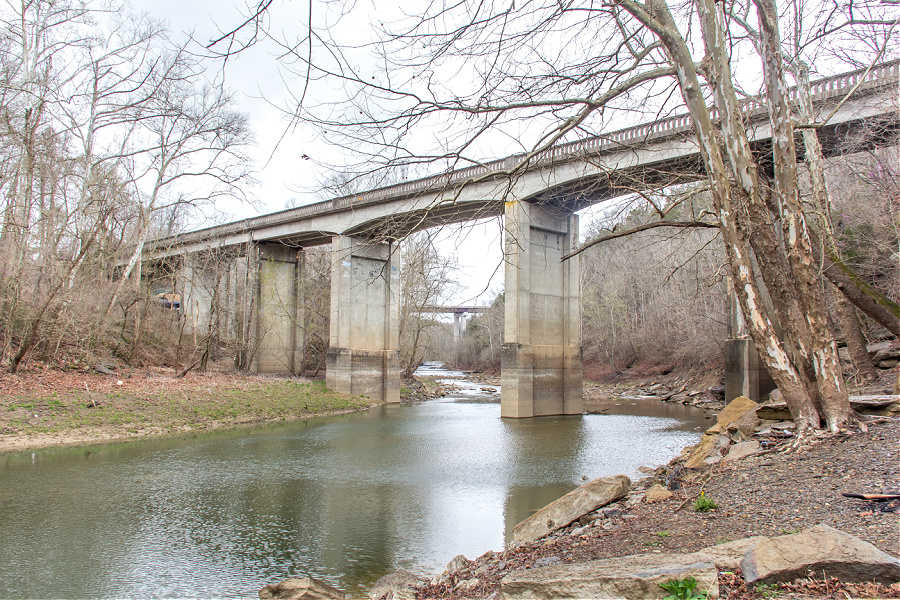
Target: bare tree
427 279
103 118
190 132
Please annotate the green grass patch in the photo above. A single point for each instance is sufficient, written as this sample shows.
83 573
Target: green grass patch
246 401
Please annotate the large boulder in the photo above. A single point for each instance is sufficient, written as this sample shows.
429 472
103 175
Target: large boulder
710 442
571 507
820 549
399 585
305 588
621 577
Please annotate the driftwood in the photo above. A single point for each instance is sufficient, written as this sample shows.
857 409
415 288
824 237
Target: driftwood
874 497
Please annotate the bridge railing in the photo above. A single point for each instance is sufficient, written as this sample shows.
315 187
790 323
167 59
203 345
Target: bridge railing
821 90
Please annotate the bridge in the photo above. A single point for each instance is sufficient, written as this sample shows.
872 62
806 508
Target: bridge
258 262
458 312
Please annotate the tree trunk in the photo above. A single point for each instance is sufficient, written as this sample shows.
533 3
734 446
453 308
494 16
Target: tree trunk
804 267
856 343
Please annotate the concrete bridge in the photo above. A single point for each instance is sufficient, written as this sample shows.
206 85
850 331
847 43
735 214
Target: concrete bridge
247 276
459 315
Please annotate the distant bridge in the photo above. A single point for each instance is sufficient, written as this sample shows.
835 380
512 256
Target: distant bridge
458 312
538 197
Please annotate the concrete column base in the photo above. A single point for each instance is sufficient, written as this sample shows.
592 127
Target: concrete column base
277 332
541 367
540 381
745 375
364 356
374 374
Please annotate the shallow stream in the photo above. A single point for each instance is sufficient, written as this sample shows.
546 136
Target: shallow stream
346 499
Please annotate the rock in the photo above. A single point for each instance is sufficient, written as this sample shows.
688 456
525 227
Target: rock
657 493
632 500
886 354
709 443
457 564
305 588
746 425
588 520
646 469
727 556
101 368
399 585
571 507
732 412
820 549
467 585
887 363
742 450
546 561
621 577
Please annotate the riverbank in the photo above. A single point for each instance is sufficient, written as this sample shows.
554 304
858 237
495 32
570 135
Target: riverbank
45 407
778 492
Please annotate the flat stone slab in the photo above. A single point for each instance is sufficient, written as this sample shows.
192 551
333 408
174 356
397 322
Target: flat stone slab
820 549
571 507
742 450
626 577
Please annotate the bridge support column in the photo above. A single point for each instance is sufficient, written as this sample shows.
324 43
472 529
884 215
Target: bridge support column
745 374
541 357
276 332
195 298
364 353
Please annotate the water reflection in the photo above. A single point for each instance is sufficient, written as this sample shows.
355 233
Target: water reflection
346 499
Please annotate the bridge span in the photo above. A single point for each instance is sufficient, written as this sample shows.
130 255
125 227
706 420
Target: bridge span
537 195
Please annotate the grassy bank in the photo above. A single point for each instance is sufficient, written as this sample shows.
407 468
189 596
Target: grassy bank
44 408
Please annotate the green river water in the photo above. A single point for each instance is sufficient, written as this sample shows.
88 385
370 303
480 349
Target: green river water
346 499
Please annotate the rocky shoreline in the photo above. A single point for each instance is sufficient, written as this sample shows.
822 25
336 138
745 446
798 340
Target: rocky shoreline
771 490
774 491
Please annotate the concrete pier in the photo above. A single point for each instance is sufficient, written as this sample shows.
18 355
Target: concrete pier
364 353
745 373
541 358
276 326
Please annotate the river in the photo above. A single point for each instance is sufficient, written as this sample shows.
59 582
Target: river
345 499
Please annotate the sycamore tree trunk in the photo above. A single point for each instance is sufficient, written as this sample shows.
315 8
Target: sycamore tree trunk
799 353
804 266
